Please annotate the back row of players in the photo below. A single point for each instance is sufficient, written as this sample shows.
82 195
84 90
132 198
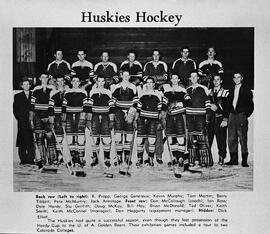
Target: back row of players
182 67
102 103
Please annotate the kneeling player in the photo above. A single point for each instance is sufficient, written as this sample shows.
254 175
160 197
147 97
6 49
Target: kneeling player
75 115
177 99
101 103
198 113
148 116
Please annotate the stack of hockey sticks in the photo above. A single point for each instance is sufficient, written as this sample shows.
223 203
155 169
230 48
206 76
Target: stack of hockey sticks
67 156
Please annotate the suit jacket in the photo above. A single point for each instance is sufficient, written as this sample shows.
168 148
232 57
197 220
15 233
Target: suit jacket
244 103
21 107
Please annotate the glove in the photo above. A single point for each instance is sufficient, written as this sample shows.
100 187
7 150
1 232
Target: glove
224 124
135 124
159 127
32 126
111 124
131 115
64 124
88 124
213 107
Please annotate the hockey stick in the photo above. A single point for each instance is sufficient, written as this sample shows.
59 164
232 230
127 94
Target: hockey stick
130 155
39 159
108 175
177 175
67 156
210 161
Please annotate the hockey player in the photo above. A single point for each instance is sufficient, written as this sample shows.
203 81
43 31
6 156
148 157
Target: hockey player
55 113
219 119
183 66
198 114
106 69
208 68
177 99
21 107
83 69
41 123
59 67
75 113
124 96
149 114
158 70
134 68
101 120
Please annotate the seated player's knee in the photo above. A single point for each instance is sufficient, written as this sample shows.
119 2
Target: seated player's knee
69 139
81 140
151 140
181 140
118 137
140 141
106 140
128 137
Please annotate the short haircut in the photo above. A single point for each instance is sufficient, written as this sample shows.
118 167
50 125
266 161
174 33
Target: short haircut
105 51
132 52
158 50
60 50
213 47
150 78
185 47
80 49
24 79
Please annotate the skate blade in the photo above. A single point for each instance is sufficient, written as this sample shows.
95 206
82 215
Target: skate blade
108 175
125 173
48 170
177 175
79 173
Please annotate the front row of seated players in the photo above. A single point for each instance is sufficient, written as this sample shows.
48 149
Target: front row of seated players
101 110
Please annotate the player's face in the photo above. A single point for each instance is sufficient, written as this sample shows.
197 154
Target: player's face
237 78
185 53
81 55
75 82
60 82
131 57
100 82
150 84
174 79
156 56
217 81
59 55
105 57
126 76
211 53
194 78
26 85
44 79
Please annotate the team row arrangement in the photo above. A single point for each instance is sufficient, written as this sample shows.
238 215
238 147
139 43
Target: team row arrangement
87 73
53 120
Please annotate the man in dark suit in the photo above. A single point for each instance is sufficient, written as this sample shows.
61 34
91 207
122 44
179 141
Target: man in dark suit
21 106
241 104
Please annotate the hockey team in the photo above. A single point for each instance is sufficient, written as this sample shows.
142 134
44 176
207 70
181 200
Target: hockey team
183 105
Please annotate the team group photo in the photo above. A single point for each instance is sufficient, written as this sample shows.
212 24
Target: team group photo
133 109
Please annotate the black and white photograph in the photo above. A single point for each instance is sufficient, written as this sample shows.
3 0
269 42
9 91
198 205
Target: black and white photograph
133 109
